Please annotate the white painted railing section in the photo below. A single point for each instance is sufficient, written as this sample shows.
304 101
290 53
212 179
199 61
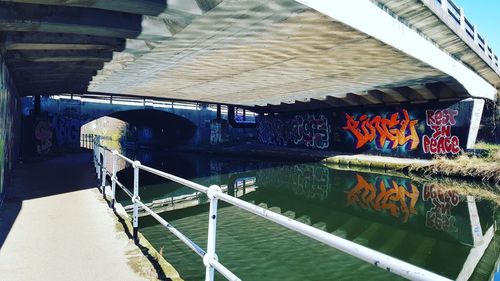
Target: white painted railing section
214 193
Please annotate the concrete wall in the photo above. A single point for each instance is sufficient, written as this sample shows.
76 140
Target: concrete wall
404 131
9 125
58 126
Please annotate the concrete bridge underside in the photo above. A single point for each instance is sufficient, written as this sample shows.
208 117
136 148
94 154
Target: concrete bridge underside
269 55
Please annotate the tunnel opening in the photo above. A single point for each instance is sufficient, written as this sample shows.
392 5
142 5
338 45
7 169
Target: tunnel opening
141 128
155 128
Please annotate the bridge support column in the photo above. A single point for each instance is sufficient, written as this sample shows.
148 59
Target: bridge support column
477 113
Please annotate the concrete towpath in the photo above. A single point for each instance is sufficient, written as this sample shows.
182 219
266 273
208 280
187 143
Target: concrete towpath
54 226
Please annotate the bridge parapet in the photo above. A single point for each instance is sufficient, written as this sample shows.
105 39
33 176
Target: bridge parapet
445 23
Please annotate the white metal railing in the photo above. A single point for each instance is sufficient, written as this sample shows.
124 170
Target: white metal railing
214 193
457 13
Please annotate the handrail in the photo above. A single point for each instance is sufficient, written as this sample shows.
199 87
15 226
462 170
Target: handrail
215 193
456 12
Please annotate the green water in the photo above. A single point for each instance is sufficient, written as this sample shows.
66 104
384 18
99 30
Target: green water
408 220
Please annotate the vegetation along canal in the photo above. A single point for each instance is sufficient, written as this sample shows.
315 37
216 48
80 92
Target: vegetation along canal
424 223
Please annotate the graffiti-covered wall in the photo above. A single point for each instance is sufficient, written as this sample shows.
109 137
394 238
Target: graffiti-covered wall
409 131
308 130
58 125
8 125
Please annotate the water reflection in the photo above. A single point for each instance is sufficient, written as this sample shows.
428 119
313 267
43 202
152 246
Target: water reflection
390 196
422 223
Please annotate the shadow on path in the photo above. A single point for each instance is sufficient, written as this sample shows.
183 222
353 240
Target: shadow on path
54 176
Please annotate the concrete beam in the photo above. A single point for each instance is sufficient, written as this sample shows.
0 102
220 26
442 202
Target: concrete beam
144 7
22 66
57 19
412 95
336 102
374 97
51 83
41 76
395 95
44 89
356 99
424 92
59 41
368 18
59 56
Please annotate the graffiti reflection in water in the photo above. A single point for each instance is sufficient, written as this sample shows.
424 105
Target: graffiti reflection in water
439 216
398 200
308 181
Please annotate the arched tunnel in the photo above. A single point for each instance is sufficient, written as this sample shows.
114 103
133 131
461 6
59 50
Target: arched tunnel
156 128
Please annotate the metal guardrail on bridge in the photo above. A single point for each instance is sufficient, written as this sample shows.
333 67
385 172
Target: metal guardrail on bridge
214 193
458 15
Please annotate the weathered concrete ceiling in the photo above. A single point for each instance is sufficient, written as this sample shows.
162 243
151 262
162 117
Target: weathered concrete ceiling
270 52
248 52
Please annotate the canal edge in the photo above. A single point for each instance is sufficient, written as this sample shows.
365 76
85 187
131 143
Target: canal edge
163 269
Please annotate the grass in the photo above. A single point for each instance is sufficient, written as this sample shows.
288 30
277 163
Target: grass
485 168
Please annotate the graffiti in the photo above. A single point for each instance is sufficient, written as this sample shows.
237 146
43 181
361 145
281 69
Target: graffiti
397 130
272 130
308 130
43 134
399 200
439 216
311 131
215 133
67 126
441 141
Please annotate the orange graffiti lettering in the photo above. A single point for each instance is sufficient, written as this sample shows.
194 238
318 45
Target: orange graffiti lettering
398 131
394 198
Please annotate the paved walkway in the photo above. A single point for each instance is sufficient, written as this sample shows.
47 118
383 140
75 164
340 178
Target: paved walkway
54 226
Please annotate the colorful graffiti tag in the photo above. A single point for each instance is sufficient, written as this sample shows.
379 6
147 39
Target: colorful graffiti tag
441 141
398 200
443 201
306 130
398 130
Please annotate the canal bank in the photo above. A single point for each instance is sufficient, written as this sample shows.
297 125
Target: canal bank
55 226
482 167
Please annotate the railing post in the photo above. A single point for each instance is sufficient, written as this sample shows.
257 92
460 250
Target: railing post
135 218
103 174
98 159
477 231
113 180
212 231
444 5
462 18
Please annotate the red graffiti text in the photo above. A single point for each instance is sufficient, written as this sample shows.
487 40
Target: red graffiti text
441 141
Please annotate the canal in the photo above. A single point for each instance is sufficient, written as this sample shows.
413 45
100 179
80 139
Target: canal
424 223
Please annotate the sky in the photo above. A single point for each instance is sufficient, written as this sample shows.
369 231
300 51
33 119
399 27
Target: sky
485 14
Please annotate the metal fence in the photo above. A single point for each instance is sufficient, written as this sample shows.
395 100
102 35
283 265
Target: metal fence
87 141
214 193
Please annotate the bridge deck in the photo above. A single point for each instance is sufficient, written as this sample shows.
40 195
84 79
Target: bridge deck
54 226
